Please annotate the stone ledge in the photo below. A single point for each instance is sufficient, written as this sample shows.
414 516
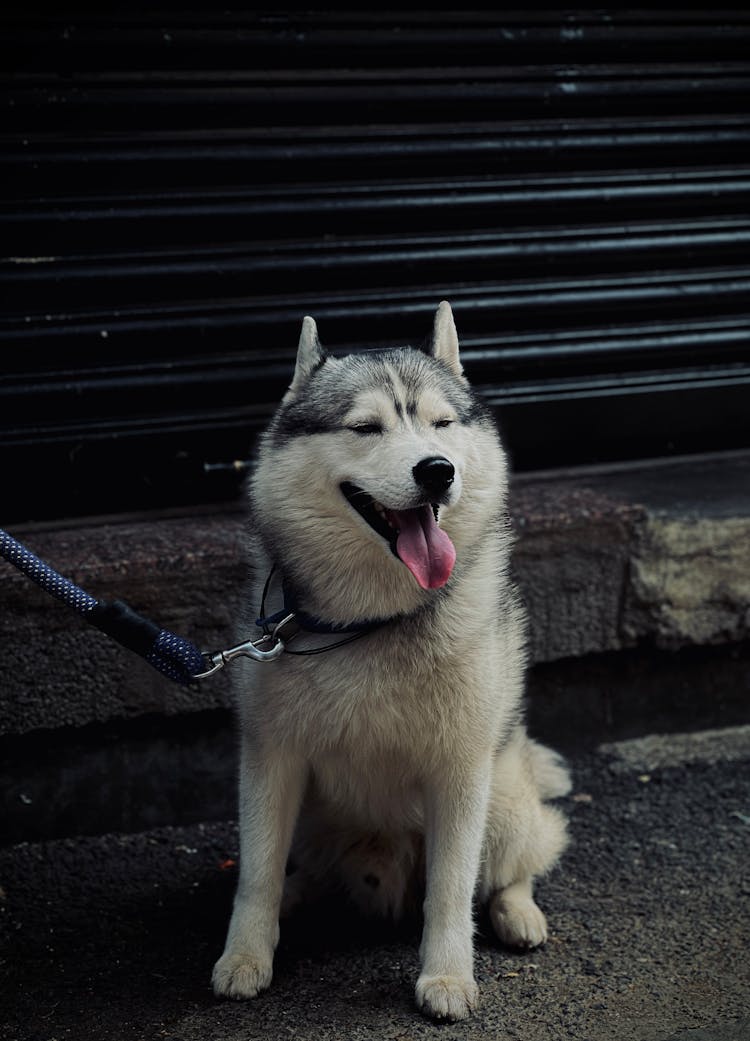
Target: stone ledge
612 559
607 560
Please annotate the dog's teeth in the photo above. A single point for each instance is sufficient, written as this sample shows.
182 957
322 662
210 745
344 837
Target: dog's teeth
378 506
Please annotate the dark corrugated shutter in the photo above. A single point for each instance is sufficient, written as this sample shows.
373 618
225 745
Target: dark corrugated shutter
180 188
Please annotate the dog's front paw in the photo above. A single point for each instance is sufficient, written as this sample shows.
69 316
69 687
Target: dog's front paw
447 997
518 923
241 975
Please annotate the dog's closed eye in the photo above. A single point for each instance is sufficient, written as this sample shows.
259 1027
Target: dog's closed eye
367 428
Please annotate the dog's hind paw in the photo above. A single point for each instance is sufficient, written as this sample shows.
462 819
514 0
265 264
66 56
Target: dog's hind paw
241 975
518 922
447 997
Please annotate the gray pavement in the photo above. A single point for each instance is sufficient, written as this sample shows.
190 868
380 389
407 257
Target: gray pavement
113 937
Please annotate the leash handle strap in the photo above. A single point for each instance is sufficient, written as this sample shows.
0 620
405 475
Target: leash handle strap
172 655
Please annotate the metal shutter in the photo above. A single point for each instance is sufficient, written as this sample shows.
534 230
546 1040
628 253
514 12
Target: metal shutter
180 188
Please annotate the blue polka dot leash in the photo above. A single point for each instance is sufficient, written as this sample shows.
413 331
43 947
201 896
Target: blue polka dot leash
172 655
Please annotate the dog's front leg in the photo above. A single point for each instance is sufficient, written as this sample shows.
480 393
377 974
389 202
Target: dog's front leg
455 812
271 790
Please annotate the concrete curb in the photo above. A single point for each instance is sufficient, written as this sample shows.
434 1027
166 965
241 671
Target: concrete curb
664 751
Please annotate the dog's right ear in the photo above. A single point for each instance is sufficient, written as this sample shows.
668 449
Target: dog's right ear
310 355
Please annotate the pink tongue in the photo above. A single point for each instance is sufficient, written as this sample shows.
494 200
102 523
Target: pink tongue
424 547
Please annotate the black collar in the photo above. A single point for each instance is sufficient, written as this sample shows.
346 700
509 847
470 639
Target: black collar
307 621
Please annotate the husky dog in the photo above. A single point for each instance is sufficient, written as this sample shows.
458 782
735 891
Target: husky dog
379 499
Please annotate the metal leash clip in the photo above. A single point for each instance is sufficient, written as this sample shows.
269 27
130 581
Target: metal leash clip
249 649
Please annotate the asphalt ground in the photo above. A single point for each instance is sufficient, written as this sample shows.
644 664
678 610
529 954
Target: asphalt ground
114 937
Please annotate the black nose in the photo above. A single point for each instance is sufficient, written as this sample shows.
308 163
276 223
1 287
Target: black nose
435 474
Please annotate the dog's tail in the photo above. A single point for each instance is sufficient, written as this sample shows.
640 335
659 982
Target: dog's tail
549 770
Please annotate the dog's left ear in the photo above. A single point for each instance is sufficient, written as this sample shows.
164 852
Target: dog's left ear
310 354
444 344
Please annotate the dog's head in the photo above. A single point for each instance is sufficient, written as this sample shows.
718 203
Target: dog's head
382 465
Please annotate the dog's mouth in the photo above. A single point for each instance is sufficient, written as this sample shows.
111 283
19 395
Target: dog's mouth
413 535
